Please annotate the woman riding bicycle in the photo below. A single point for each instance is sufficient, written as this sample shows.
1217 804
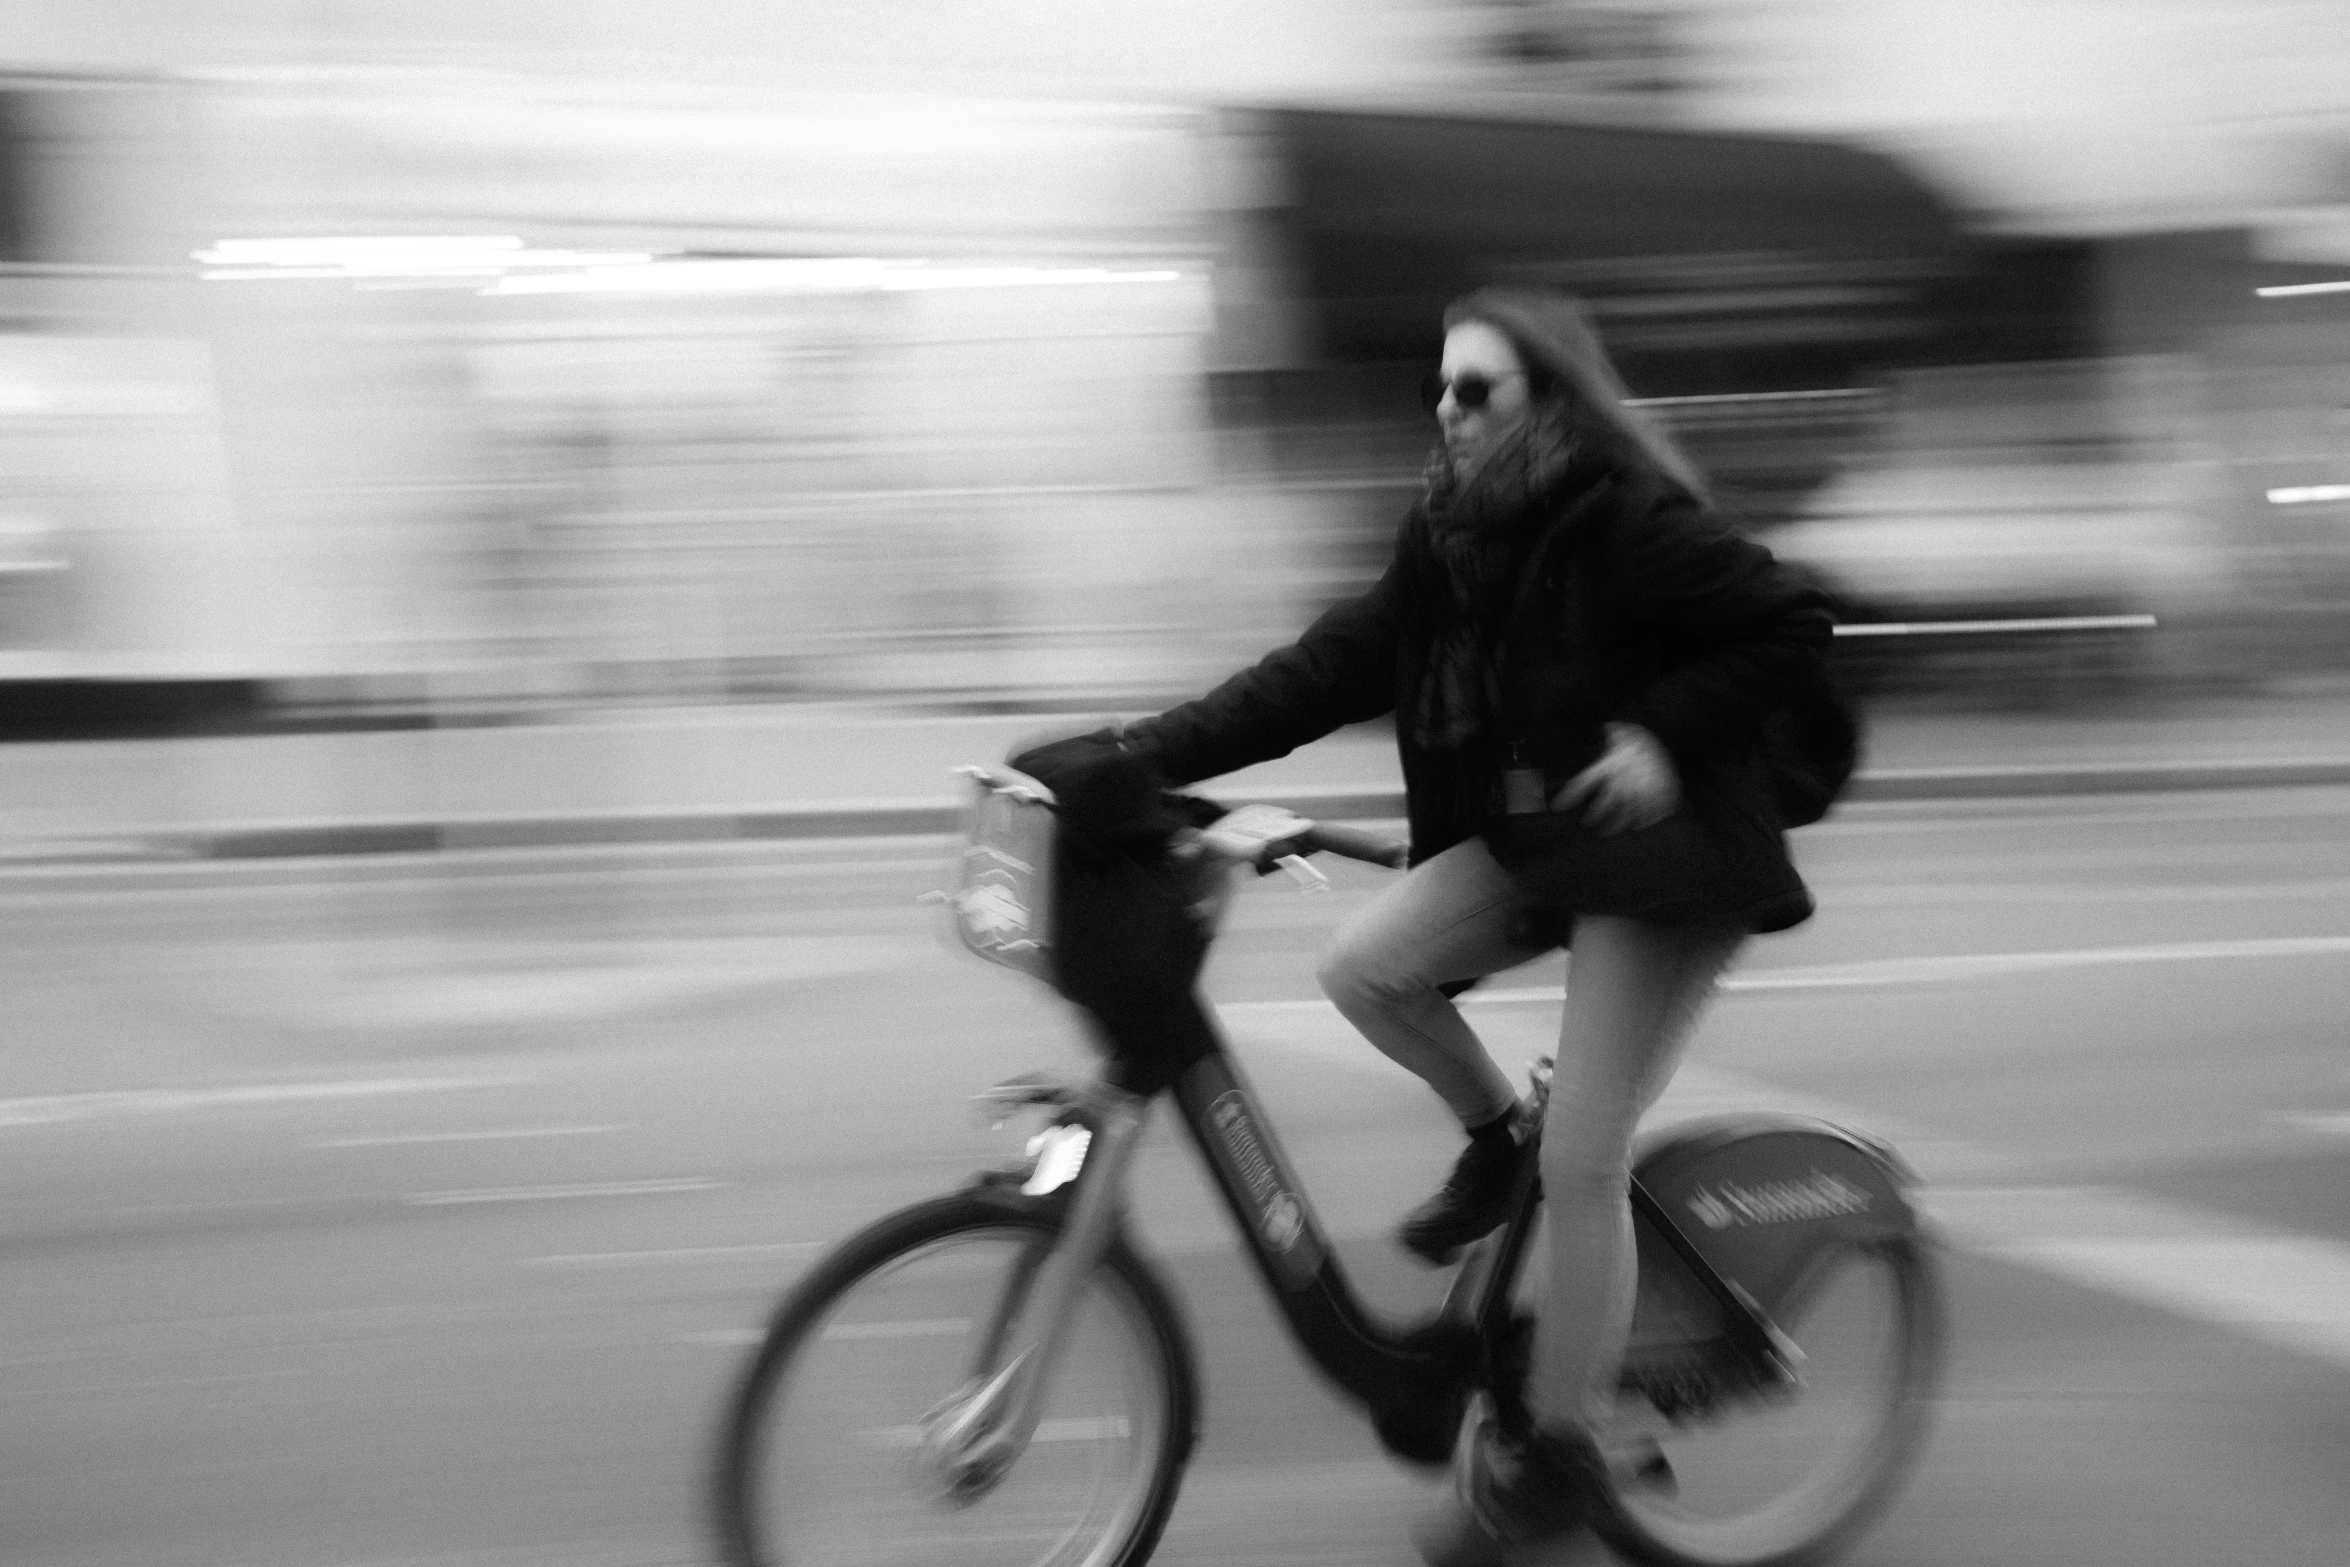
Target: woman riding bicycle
1580 659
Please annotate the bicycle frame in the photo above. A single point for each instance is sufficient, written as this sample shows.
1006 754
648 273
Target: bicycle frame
1415 1381
1774 1205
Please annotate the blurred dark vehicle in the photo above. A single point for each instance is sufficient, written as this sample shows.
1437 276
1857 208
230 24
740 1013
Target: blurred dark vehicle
1924 417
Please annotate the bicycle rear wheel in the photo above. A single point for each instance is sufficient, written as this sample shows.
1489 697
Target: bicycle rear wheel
824 1461
1776 1478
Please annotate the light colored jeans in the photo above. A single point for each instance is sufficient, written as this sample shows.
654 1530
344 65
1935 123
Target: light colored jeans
1633 992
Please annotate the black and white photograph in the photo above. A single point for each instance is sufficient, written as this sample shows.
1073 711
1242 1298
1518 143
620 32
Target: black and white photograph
1213 783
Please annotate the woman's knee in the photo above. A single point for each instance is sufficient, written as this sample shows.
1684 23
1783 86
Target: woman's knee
1587 1138
1354 975
1579 1169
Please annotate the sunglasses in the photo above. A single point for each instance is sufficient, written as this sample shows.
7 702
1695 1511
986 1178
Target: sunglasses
1471 391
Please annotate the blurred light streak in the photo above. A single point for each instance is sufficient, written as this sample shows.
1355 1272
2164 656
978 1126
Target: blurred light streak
1721 399
339 248
502 256
2303 494
292 274
2288 290
1923 628
404 1139
845 275
392 256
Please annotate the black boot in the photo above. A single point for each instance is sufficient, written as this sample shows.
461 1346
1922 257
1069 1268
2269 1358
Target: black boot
1476 1196
1510 1497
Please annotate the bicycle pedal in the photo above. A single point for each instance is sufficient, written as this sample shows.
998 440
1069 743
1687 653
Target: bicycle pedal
1644 1467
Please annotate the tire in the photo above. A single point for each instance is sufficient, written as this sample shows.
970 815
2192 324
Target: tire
1788 1480
819 1458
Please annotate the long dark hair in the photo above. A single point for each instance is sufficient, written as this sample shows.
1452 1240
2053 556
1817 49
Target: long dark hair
1553 335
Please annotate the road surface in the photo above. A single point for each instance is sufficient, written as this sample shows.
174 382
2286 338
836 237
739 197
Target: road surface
417 1211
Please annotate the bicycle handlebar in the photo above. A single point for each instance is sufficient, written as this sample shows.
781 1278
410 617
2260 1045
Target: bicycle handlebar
1267 835
1259 835
1352 843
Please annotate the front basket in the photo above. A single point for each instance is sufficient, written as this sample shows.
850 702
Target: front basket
1002 900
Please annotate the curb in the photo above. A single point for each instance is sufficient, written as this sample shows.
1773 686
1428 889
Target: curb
939 817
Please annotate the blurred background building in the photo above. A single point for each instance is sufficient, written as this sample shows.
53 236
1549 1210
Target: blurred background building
488 360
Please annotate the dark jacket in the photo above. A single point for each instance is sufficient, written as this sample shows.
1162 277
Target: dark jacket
1632 602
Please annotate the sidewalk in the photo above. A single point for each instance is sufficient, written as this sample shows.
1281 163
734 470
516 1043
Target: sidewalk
800 771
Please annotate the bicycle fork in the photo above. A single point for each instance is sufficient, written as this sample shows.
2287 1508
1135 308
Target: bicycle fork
971 1439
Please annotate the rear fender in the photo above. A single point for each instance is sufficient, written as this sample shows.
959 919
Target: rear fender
1765 1199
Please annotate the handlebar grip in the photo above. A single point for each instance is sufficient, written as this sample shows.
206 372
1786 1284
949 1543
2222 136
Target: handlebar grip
1352 843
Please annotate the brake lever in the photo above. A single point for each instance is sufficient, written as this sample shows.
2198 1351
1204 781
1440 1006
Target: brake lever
1307 877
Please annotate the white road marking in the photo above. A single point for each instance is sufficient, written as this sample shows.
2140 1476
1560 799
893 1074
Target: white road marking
1978 965
920 1327
157 1384
1097 1428
2283 1288
406 1138
2286 1289
488 1194
436 984
1870 818
551 865
1517 1035
1848 895
1906 971
726 1338
569 1553
941 864
50 1109
652 1259
2333 1124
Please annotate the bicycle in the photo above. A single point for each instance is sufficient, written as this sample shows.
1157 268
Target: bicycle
999 1374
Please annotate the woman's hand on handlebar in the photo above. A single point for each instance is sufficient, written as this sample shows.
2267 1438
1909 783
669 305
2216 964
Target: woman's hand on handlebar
1352 843
1265 835
1114 797
1255 835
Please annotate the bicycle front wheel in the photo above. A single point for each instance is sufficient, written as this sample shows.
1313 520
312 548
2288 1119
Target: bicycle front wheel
1784 1478
825 1460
